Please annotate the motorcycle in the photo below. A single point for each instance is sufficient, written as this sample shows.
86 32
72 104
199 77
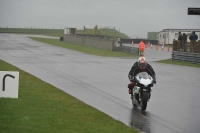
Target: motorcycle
142 91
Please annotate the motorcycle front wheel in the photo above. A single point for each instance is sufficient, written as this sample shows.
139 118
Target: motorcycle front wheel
137 98
144 100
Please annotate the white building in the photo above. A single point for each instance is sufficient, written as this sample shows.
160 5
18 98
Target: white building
167 36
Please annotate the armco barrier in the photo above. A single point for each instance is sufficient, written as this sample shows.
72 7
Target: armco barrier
185 56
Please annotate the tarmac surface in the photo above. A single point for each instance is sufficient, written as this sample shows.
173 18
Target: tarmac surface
102 83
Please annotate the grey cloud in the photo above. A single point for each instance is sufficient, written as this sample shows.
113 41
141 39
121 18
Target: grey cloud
132 17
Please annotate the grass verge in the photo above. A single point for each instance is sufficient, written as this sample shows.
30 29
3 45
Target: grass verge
169 61
84 49
48 32
42 108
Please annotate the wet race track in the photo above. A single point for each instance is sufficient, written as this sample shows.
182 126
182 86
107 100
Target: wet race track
102 83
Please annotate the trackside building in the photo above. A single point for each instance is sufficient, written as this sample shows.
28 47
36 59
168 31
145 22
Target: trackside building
167 36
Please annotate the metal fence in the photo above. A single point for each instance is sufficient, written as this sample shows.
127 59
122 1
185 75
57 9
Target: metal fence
136 41
192 46
185 56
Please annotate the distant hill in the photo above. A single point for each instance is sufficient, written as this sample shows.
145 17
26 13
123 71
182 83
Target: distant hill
105 32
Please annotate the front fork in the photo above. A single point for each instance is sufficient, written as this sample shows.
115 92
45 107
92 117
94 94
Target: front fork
141 91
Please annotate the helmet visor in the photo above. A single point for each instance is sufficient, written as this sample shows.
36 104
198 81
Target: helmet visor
142 65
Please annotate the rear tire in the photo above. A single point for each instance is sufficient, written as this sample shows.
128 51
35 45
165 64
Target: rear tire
144 101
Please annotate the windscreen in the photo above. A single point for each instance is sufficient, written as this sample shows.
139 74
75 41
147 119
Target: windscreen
144 75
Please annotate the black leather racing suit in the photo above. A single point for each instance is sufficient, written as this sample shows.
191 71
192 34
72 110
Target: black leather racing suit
135 70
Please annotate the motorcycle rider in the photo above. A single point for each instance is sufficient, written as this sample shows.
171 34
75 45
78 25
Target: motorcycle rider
140 66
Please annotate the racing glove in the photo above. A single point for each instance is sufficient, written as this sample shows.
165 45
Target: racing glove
131 78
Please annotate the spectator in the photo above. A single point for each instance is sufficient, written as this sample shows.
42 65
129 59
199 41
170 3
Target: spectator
193 38
180 38
184 42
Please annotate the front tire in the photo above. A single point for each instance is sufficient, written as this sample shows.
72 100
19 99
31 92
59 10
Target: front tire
133 103
144 101
137 98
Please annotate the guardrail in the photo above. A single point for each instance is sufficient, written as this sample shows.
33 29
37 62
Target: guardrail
185 56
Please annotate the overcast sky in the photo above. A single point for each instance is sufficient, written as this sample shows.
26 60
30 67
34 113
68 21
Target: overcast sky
133 17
